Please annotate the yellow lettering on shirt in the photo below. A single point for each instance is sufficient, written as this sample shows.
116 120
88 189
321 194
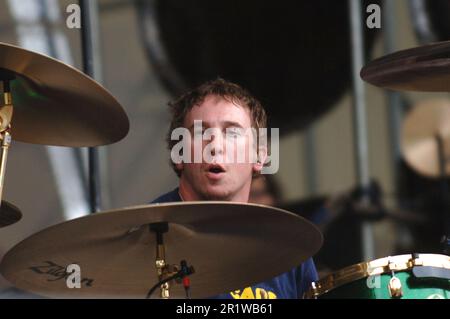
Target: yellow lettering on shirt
248 293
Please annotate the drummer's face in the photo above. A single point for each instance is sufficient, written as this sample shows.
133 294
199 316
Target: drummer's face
218 179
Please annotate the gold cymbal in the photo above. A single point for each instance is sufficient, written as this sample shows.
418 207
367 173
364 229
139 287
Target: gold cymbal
419 130
9 214
230 245
425 68
55 104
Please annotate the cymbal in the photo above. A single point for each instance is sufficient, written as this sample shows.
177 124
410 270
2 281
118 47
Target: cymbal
324 210
230 245
9 214
55 104
419 130
425 68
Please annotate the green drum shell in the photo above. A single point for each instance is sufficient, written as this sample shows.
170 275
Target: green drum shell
370 280
412 288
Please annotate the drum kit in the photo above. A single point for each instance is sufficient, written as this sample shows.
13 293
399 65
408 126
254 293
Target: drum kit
220 246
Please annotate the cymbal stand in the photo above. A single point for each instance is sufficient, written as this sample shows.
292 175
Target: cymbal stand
360 121
161 266
90 39
166 272
6 112
444 192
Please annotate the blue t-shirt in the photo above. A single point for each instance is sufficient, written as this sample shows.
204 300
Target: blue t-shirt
290 285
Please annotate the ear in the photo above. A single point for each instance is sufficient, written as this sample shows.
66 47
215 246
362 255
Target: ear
179 167
261 159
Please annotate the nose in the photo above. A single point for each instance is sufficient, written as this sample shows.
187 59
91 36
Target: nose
216 143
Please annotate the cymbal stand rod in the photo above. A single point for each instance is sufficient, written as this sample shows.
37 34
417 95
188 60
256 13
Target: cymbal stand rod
161 265
442 162
445 193
5 125
360 121
90 36
6 142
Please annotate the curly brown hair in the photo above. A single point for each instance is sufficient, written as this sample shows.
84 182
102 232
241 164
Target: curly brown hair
221 88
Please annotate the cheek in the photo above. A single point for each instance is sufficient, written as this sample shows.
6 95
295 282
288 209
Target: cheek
192 169
242 171
238 145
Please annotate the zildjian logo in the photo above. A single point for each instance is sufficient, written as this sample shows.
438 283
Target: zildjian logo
56 272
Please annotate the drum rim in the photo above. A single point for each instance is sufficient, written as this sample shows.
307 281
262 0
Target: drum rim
375 267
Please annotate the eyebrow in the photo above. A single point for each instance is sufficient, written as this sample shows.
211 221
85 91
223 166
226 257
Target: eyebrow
224 123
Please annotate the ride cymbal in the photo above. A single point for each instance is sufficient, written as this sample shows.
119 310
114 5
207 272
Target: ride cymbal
230 245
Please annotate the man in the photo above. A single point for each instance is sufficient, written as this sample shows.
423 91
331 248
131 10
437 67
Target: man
224 107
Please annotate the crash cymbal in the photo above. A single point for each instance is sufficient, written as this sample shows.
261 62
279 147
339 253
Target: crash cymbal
425 68
9 214
230 245
419 130
55 104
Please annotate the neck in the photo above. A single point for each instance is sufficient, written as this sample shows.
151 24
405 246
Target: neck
187 193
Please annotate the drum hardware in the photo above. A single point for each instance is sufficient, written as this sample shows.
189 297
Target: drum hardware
314 288
443 161
395 284
53 104
425 132
163 270
335 214
179 275
6 112
395 287
166 272
422 270
425 68
425 138
425 147
92 67
431 272
415 261
349 202
112 250
9 214
398 272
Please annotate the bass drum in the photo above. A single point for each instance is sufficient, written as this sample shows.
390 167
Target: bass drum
295 56
417 276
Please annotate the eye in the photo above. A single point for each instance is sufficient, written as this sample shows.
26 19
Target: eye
234 132
199 133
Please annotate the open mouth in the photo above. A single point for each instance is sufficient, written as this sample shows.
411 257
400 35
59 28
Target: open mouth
216 169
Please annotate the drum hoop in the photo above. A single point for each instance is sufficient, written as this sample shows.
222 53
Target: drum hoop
373 268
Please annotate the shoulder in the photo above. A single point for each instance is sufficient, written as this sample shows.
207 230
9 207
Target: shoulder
307 270
306 273
172 196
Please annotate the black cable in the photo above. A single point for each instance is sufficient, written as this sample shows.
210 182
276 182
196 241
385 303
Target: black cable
162 282
181 274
